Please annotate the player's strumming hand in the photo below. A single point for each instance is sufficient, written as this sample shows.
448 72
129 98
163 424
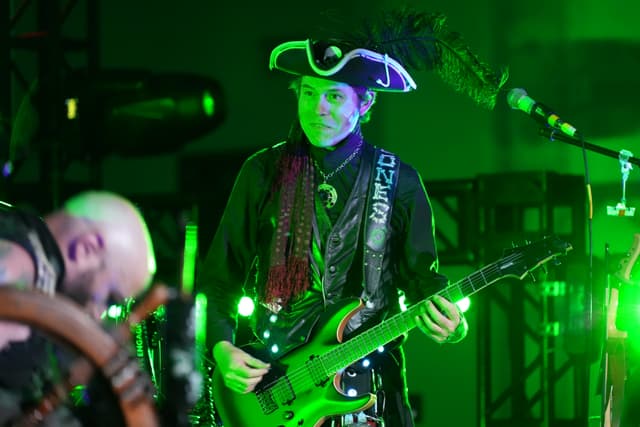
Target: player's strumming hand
240 371
440 319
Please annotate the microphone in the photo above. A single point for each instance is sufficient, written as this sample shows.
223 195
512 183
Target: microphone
519 100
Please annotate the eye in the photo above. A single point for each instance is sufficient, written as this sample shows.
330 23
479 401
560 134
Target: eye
336 96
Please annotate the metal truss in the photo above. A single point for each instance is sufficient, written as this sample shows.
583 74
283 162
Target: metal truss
36 52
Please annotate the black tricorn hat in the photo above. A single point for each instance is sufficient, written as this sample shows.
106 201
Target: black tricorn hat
333 61
378 53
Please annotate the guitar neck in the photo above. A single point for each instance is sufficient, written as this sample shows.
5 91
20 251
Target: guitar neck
393 327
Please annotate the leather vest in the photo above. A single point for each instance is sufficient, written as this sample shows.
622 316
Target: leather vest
342 246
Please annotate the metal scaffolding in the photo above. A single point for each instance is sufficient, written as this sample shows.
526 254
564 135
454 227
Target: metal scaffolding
36 55
533 359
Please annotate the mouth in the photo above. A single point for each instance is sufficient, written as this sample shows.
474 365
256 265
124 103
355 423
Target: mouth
321 126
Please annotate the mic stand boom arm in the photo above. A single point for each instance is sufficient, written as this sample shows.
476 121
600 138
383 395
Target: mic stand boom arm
555 135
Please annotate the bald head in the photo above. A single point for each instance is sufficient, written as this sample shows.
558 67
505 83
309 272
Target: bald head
106 245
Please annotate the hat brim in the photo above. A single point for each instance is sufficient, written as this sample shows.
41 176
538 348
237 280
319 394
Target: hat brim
358 67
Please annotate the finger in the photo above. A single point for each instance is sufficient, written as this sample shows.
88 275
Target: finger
256 363
248 385
447 308
254 373
428 326
241 370
240 383
435 315
443 305
440 319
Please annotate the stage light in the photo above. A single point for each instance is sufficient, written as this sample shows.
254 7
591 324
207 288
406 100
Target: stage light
118 111
137 112
464 304
208 104
190 254
245 306
113 312
402 301
72 108
79 395
201 319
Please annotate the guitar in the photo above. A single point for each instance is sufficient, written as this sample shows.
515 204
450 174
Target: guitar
303 386
615 353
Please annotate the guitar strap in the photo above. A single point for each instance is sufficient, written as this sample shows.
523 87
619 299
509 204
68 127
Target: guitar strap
382 188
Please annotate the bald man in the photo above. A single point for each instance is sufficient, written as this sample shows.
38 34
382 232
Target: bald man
95 250
107 251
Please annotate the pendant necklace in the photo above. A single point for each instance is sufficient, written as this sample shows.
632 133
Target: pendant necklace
327 192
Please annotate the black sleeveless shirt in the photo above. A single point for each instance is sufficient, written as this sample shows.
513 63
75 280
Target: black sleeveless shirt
23 365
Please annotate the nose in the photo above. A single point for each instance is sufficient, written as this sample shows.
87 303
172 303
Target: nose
322 105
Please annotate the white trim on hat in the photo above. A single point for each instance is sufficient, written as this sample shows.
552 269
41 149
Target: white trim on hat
364 53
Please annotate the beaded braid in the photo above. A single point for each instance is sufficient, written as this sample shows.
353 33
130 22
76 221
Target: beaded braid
288 274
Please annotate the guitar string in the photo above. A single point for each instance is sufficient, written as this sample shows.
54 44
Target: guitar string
299 378
338 352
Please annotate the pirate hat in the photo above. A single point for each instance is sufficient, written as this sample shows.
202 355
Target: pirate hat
335 61
375 55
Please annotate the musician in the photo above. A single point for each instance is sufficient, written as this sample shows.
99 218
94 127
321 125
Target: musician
324 215
96 250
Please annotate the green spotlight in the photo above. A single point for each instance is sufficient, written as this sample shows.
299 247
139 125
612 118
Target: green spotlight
208 103
113 312
78 395
401 301
201 319
161 311
246 306
464 304
189 258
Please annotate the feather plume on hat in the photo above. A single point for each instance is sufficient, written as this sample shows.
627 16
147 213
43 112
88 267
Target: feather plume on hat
421 41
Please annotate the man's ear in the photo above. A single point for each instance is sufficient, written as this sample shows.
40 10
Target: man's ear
86 250
368 99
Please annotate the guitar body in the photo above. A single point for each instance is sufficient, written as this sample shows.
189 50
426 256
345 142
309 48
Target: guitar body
293 395
615 352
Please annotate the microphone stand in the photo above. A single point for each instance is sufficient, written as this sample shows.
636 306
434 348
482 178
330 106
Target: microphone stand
556 135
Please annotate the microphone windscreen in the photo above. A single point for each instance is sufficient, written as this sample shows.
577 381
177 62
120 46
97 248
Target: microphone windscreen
514 96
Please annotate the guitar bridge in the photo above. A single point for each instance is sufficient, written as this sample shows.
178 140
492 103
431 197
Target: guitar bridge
267 404
284 391
272 397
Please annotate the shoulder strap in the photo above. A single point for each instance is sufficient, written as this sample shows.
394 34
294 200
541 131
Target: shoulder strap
382 188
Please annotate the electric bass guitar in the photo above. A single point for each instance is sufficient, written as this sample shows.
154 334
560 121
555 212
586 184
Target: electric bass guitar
302 388
614 356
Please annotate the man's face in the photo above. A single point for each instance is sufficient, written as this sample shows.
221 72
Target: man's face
328 110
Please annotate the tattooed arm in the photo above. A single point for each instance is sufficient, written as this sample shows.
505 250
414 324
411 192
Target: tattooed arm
17 269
